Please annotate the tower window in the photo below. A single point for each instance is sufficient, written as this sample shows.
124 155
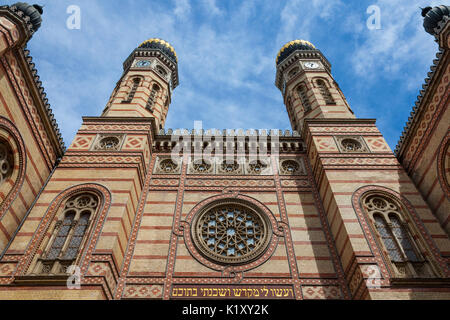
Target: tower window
69 233
395 237
326 95
152 98
304 98
161 71
136 82
293 72
108 142
351 145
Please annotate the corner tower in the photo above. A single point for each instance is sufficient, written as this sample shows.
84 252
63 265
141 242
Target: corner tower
145 88
353 166
309 90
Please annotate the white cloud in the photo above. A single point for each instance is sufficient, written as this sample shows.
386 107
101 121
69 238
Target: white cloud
226 58
400 42
182 8
299 18
211 7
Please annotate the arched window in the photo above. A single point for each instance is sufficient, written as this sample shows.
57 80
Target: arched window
326 95
161 70
293 72
395 237
152 98
136 82
304 98
68 234
6 161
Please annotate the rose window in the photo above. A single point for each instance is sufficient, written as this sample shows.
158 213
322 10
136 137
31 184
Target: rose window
351 145
231 233
109 143
257 167
202 166
380 204
229 167
289 166
168 166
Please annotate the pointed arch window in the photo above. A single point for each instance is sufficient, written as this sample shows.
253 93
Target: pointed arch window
302 92
68 234
325 92
395 237
136 82
152 98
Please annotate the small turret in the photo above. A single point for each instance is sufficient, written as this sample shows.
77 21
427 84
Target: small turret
433 16
33 12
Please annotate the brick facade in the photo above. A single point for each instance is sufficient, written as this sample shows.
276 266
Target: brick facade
140 242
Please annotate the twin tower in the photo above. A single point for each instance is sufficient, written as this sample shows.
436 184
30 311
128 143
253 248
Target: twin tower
329 213
303 76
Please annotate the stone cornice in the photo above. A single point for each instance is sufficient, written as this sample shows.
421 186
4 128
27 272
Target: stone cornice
40 97
419 107
293 57
143 52
149 120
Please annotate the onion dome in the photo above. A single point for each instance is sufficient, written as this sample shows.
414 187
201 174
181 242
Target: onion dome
33 12
432 17
162 45
292 46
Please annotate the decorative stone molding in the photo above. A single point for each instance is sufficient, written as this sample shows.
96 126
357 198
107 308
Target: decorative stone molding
108 142
351 144
230 167
6 161
230 232
165 165
253 255
292 166
201 166
258 167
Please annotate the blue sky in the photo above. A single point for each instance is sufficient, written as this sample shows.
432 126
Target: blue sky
226 57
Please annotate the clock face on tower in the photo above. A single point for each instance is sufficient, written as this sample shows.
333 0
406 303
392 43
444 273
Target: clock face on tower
143 63
311 65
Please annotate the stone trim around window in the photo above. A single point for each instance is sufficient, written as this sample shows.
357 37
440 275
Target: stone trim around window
108 142
351 144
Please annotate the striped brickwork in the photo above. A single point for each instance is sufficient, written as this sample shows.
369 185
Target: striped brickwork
340 178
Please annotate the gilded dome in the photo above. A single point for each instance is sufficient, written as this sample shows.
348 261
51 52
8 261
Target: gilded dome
162 45
292 46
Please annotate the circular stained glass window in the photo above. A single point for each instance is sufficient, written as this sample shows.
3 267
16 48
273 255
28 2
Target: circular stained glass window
231 233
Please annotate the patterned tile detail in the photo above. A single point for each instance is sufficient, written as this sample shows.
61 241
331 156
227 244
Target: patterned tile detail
360 161
321 292
7 269
133 142
425 123
104 270
81 143
344 129
146 291
377 144
325 144
230 182
114 127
